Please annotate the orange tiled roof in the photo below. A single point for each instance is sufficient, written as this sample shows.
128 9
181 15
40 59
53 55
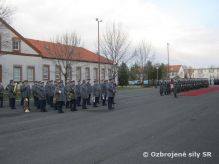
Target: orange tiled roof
174 68
56 51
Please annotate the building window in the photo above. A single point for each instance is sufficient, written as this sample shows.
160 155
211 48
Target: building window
16 44
0 73
78 73
211 70
69 73
87 73
17 73
95 74
58 72
31 73
102 74
200 71
46 72
109 73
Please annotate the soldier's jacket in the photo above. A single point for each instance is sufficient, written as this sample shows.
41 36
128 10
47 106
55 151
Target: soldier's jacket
110 90
103 88
22 90
67 89
84 91
59 93
51 90
78 90
41 92
34 90
89 87
1 90
47 88
25 91
72 93
96 90
10 90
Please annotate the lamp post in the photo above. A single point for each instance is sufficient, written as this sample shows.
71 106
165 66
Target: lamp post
168 65
98 40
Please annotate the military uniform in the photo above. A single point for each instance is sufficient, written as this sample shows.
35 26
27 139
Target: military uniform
104 92
78 93
1 95
110 94
26 92
22 94
11 90
42 97
67 93
84 94
72 96
89 87
59 97
96 93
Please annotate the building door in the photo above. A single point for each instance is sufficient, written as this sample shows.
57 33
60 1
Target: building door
0 73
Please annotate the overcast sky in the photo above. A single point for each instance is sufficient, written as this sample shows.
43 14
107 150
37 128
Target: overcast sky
190 26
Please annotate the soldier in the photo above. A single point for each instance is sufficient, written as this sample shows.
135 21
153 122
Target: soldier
175 89
89 91
42 97
161 89
84 94
22 93
26 91
1 95
67 93
51 90
104 92
73 96
34 93
96 93
78 90
12 90
47 87
59 97
110 94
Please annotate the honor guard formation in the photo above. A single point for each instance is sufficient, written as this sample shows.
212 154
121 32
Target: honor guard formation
181 85
57 95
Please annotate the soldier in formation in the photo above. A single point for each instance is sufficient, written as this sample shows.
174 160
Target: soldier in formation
56 94
181 85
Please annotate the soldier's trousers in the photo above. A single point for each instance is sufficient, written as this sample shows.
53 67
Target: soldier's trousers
88 100
95 101
22 101
84 102
110 102
42 105
59 105
103 100
12 103
1 101
73 104
78 101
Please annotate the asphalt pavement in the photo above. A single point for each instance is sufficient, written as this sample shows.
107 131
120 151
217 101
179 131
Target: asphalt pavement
144 128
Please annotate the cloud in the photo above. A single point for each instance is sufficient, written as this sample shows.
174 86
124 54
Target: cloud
43 19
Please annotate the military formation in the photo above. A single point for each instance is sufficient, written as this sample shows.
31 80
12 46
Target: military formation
181 85
58 95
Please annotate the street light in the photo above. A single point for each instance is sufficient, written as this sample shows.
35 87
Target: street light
98 40
168 66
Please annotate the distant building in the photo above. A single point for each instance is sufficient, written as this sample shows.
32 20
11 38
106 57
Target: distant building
176 71
210 73
29 59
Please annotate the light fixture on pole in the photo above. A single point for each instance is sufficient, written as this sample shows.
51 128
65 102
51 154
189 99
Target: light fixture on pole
168 65
98 40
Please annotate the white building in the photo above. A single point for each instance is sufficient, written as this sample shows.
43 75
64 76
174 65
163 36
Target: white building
28 59
176 71
210 73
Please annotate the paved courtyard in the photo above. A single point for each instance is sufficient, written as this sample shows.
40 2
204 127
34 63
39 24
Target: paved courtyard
142 123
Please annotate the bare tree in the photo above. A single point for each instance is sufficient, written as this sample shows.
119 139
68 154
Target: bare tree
6 11
65 49
143 54
115 45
